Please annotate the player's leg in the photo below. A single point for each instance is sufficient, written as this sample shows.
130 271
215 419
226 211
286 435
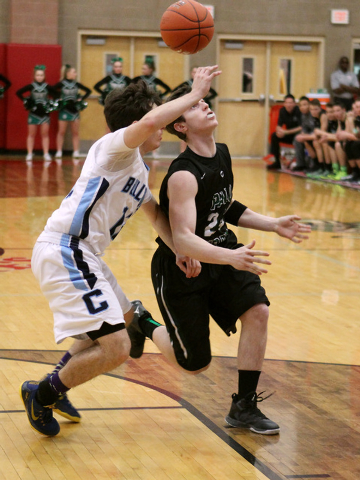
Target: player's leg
184 341
69 288
239 294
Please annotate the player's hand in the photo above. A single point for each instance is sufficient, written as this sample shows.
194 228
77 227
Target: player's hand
288 227
203 78
189 266
341 135
280 132
245 258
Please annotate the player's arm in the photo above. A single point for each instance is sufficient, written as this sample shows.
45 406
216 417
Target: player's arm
159 117
348 133
182 190
161 224
287 226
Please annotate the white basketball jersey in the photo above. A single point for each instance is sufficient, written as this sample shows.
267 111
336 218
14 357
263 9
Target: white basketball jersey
104 197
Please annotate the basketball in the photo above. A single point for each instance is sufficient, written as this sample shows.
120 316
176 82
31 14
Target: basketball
187 27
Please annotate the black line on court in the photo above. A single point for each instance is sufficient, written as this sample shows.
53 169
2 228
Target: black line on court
159 354
322 475
101 409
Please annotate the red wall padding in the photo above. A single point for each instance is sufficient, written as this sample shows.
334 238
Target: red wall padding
20 62
3 100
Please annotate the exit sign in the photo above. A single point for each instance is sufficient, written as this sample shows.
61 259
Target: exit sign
341 17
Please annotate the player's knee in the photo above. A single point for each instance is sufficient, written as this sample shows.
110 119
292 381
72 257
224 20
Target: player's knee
117 349
195 366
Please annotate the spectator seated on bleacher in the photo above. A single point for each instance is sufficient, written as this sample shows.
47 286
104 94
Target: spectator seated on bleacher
288 125
351 135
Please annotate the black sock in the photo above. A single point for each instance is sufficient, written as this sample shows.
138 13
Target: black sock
328 167
46 395
248 381
148 325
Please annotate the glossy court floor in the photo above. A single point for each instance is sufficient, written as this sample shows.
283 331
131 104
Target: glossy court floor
147 421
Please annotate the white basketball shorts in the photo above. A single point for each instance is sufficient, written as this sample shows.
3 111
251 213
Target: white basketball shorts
81 289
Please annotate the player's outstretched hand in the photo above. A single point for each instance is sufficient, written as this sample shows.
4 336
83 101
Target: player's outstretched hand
203 78
245 258
289 227
189 266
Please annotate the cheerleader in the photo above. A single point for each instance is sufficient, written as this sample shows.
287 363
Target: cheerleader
4 85
148 76
39 106
115 80
71 102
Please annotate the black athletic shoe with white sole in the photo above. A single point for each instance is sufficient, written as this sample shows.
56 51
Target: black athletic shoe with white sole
244 413
137 337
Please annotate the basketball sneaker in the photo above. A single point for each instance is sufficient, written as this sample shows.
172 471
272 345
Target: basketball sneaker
137 337
66 409
244 413
40 417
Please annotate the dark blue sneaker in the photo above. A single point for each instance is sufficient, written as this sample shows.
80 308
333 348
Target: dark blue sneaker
66 409
41 418
244 413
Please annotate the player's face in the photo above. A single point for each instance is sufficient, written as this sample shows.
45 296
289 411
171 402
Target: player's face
39 76
289 105
315 111
330 113
153 142
304 106
117 67
200 118
357 108
339 112
193 71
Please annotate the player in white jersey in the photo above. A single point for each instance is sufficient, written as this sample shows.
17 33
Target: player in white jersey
85 298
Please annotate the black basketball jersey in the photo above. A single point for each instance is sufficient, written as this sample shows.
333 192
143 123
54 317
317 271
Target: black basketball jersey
215 185
332 126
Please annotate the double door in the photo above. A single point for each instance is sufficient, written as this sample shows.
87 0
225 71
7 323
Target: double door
256 75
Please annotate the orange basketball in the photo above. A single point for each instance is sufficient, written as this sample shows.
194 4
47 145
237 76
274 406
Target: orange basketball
187 26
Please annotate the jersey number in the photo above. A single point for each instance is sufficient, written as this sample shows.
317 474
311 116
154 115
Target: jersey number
213 224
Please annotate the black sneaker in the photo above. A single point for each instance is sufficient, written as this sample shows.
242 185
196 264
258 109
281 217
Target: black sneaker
137 337
244 413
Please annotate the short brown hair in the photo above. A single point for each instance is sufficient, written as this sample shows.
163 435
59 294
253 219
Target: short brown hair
123 107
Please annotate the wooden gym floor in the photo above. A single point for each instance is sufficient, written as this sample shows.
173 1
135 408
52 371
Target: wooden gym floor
147 421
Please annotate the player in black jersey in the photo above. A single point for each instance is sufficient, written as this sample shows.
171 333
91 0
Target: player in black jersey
333 151
71 101
351 135
39 106
196 196
153 82
4 85
113 81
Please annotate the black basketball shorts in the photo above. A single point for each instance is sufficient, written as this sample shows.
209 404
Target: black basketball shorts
186 303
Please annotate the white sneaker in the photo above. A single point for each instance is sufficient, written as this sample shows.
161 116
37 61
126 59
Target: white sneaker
29 157
76 154
58 154
47 157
